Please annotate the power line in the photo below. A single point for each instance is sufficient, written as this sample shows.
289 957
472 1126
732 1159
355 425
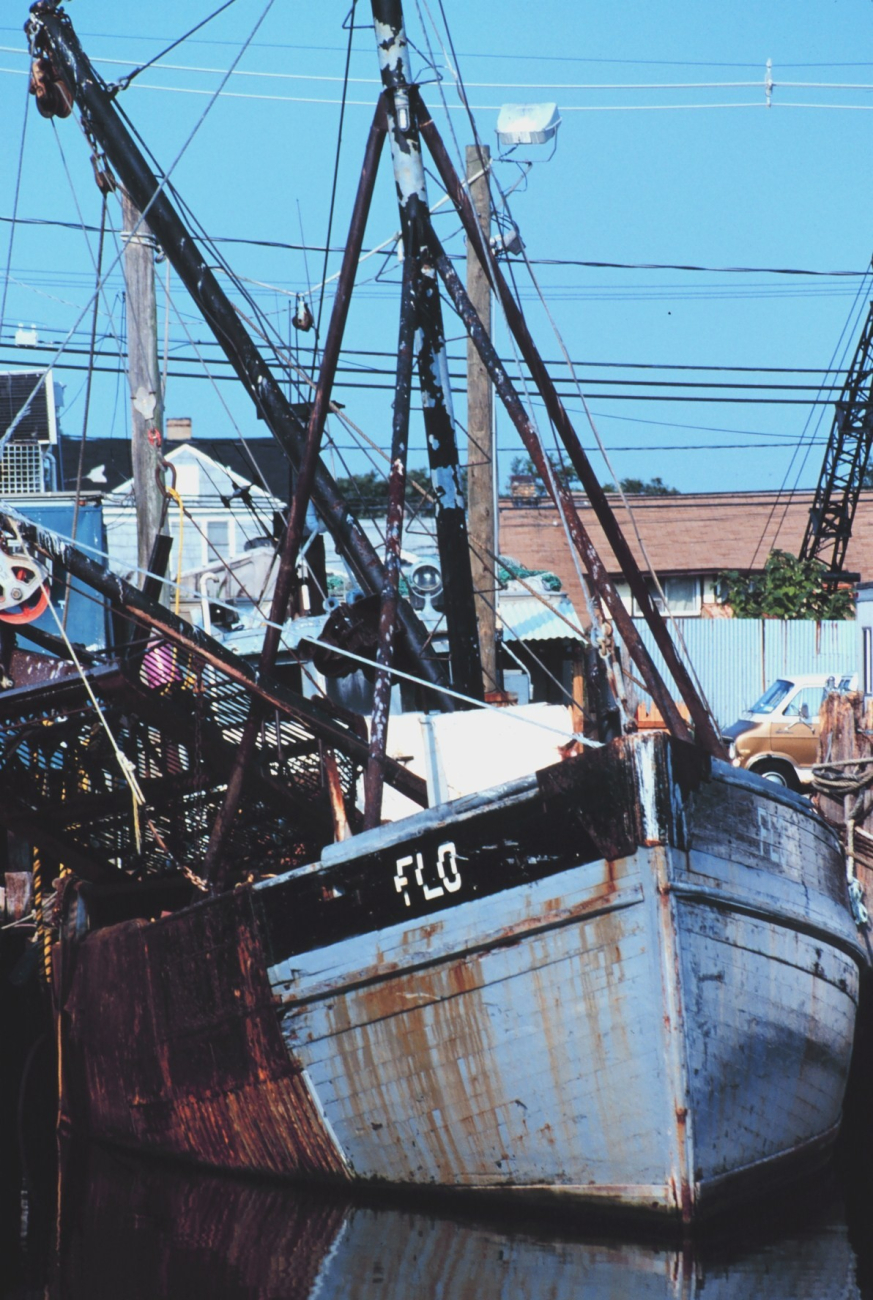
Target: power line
535 261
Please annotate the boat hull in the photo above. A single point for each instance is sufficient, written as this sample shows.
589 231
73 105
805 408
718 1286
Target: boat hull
628 981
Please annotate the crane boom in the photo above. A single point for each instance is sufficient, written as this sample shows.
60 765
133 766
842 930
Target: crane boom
845 464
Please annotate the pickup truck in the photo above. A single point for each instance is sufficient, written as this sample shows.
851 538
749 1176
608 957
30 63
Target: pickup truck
778 736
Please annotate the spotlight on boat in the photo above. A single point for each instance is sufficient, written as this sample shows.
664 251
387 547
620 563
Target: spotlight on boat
426 580
527 124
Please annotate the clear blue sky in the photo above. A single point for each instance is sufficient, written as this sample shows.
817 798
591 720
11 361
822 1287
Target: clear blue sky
634 180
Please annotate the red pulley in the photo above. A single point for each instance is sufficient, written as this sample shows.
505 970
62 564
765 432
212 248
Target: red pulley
24 589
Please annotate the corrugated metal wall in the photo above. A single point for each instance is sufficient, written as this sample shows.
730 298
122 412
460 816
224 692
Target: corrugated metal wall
736 658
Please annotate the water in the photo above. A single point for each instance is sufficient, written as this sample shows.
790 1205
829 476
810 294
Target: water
141 1230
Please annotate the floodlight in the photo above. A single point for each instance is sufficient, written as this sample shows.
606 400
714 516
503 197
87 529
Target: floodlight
527 124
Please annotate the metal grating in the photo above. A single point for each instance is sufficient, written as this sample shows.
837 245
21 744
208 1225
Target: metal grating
21 469
179 723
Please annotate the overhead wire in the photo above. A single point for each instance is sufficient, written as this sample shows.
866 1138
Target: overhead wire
504 198
5 437
845 334
589 594
124 82
18 172
333 188
535 261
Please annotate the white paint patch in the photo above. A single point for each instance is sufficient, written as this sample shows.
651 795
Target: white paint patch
328 1127
446 488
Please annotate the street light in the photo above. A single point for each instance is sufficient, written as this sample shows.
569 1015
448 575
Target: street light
527 124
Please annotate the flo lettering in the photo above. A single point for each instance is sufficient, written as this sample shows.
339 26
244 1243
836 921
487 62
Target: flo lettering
410 872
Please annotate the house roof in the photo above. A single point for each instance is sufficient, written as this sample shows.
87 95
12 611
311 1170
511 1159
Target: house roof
221 481
695 533
107 460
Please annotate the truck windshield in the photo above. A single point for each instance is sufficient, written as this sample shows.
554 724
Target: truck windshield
772 697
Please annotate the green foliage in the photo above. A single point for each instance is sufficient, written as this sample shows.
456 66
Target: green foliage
367 494
564 471
561 468
788 588
636 487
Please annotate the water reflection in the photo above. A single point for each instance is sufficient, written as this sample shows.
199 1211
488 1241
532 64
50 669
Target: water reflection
142 1231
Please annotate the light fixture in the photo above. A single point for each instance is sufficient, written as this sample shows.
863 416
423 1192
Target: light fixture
527 124
425 579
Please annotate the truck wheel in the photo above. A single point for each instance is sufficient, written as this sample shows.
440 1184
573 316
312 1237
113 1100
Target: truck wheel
779 773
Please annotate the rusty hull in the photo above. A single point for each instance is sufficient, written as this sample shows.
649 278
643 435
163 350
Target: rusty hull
171 1043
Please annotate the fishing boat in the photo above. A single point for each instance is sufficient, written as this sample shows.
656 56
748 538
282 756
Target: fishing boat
627 978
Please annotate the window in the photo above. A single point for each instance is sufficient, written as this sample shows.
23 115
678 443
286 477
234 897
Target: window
218 537
806 704
772 697
868 660
683 596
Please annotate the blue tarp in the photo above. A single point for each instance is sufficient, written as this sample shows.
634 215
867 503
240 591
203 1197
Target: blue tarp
87 621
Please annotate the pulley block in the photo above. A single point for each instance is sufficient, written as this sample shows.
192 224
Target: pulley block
24 588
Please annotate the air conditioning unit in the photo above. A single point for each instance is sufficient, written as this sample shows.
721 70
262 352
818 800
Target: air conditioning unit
39 422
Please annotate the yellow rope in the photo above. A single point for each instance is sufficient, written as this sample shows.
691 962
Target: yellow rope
174 496
43 929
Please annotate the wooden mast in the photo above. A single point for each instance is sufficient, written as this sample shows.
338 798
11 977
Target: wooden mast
146 398
480 430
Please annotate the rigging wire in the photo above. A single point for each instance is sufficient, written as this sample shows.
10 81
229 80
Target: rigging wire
333 189
504 198
845 334
4 439
851 333
15 207
589 594
124 82
88 383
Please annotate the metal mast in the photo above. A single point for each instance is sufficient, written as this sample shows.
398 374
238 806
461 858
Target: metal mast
846 457
433 368
51 33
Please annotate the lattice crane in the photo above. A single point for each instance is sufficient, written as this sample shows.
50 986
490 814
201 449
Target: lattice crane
845 465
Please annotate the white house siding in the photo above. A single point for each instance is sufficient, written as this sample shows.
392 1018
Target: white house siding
201 482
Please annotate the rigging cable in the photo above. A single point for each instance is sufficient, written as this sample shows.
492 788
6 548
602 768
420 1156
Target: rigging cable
4 439
88 382
810 442
124 82
590 595
845 333
15 208
676 629
339 141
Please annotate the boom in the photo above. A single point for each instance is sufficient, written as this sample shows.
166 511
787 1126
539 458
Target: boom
845 464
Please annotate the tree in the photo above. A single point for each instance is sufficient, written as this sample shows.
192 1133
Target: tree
788 588
367 494
565 473
636 487
561 468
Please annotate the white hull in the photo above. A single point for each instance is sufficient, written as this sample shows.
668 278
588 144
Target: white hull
639 1031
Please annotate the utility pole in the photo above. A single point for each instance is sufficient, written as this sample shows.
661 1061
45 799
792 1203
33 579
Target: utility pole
147 406
480 434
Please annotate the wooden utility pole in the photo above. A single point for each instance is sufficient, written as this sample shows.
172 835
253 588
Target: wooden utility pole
147 407
480 455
